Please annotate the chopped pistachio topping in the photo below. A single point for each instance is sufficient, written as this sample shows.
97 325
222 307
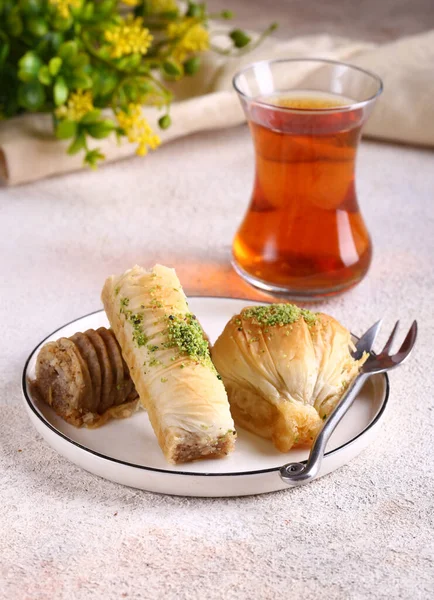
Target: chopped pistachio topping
278 314
154 362
154 288
117 289
185 333
156 304
140 338
136 321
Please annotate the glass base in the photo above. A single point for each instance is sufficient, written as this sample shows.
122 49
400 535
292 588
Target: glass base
288 292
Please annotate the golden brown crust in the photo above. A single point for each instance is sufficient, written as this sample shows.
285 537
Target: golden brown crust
63 379
284 379
108 391
115 363
67 379
186 403
90 357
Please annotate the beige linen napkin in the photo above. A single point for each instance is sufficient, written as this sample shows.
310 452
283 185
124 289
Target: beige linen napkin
405 112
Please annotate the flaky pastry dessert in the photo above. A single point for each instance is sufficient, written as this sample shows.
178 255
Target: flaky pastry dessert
169 361
284 369
84 379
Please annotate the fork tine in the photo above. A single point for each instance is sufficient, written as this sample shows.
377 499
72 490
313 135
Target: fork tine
367 340
410 338
389 342
407 345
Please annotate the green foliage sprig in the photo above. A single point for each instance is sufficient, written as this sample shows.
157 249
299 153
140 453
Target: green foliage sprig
74 58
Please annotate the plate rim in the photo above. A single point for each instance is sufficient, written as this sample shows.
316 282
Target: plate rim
64 437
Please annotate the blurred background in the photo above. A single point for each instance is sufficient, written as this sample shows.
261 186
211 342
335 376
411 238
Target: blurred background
372 20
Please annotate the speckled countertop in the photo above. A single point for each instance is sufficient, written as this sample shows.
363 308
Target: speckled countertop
366 531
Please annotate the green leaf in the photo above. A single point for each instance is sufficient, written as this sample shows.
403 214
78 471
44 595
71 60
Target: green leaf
44 75
56 39
101 129
239 38
172 68
88 11
67 50
131 92
108 83
14 23
123 99
105 7
192 65
227 14
81 81
194 10
165 122
92 157
31 95
78 144
61 24
49 44
60 91
145 87
66 129
4 51
29 66
79 60
24 76
37 26
31 7
128 63
92 116
54 65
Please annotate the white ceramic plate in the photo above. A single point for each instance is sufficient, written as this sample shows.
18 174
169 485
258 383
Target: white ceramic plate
126 451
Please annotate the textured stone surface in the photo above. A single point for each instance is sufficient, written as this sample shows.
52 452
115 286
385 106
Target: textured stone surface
366 531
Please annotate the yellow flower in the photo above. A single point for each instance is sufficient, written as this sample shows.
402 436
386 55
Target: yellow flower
63 6
137 129
131 2
193 37
128 38
79 103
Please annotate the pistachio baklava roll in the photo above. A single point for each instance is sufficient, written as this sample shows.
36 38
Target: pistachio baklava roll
169 361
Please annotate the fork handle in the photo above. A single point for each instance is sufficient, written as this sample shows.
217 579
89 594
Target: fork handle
295 474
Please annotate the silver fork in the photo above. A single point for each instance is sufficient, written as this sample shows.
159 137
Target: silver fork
295 474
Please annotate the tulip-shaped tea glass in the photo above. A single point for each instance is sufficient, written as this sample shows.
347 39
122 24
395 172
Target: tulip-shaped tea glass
303 233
